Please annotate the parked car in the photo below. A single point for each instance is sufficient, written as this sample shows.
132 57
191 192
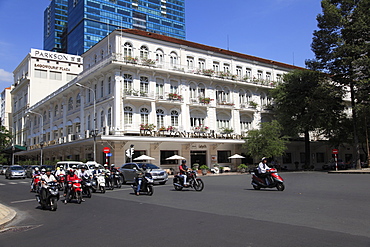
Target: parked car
15 172
128 172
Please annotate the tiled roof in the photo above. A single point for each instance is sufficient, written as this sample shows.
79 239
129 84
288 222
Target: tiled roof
206 47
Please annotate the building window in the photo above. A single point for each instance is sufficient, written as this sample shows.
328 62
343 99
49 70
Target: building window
144 85
109 117
159 88
78 100
128 115
88 122
160 118
102 119
201 64
239 71
144 52
173 59
101 89
248 73
268 76
41 73
259 74
223 156
109 85
127 82
190 62
56 111
55 75
70 104
159 56
174 118
127 50
144 115
226 67
216 67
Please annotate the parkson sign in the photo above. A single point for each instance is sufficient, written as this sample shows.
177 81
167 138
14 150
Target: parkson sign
56 56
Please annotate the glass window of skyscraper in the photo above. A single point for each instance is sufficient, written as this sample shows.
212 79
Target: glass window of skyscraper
91 20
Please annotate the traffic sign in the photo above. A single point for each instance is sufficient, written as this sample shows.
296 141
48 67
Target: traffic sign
334 151
109 154
106 150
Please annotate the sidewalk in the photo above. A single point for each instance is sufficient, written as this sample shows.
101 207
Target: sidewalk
352 171
6 215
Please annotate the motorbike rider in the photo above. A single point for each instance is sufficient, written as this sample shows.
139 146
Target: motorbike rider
34 174
140 173
83 173
184 171
45 178
70 177
107 173
263 170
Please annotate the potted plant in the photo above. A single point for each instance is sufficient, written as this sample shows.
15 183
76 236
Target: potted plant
195 166
253 104
205 100
147 126
174 96
162 128
171 128
204 169
221 169
242 168
226 130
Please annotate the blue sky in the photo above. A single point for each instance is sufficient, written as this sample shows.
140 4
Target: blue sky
279 30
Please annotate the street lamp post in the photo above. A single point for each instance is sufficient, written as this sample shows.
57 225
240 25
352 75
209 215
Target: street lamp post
94 127
13 147
42 135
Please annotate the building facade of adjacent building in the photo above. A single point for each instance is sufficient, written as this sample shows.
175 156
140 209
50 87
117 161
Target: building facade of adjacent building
163 95
38 75
6 108
89 21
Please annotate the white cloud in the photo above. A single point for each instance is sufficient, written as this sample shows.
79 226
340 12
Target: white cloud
6 76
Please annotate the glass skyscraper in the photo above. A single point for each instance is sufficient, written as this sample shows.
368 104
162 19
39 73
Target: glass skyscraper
91 20
55 26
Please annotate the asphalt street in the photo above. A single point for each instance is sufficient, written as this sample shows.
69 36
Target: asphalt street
315 209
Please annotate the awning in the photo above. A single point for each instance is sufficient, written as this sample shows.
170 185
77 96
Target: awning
17 148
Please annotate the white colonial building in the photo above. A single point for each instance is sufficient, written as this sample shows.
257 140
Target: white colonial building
163 95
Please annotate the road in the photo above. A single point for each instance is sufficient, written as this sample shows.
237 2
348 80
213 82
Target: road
316 209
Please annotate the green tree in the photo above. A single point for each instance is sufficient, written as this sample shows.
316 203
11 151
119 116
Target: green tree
307 101
341 47
266 141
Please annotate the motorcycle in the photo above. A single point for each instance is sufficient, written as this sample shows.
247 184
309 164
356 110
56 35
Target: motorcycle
109 181
86 187
61 182
116 179
51 196
74 191
98 183
35 184
146 184
272 180
192 180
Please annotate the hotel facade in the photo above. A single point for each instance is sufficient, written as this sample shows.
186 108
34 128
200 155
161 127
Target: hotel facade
163 95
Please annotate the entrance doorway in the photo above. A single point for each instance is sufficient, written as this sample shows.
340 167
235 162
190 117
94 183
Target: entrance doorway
199 157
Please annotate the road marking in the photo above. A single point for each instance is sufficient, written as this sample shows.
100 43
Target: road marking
12 183
28 200
24 182
2 184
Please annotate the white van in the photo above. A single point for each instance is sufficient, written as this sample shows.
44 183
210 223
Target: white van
68 164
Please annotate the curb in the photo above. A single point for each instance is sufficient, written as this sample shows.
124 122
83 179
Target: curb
6 215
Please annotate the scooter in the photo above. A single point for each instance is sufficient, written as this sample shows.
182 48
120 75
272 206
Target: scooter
116 178
61 182
35 184
86 187
193 181
272 180
74 191
146 184
98 183
51 197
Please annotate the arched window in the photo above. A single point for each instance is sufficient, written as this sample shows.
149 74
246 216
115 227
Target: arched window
160 118
56 110
173 59
144 85
144 52
127 50
144 115
174 118
102 119
109 117
127 83
70 104
78 100
159 56
128 115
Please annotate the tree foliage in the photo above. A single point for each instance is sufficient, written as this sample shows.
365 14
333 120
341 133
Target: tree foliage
341 47
307 101
266 141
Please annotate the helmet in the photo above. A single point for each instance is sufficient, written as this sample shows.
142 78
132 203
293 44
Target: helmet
48 169
74 166
36 169
43 170
58 168
264 158
105 165
112 165
96 166
183 161
144 166
83 167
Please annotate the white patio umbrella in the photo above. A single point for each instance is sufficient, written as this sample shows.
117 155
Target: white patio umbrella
144 157
176 157
236 156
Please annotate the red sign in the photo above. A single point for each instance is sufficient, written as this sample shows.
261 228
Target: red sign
334 151
106 150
